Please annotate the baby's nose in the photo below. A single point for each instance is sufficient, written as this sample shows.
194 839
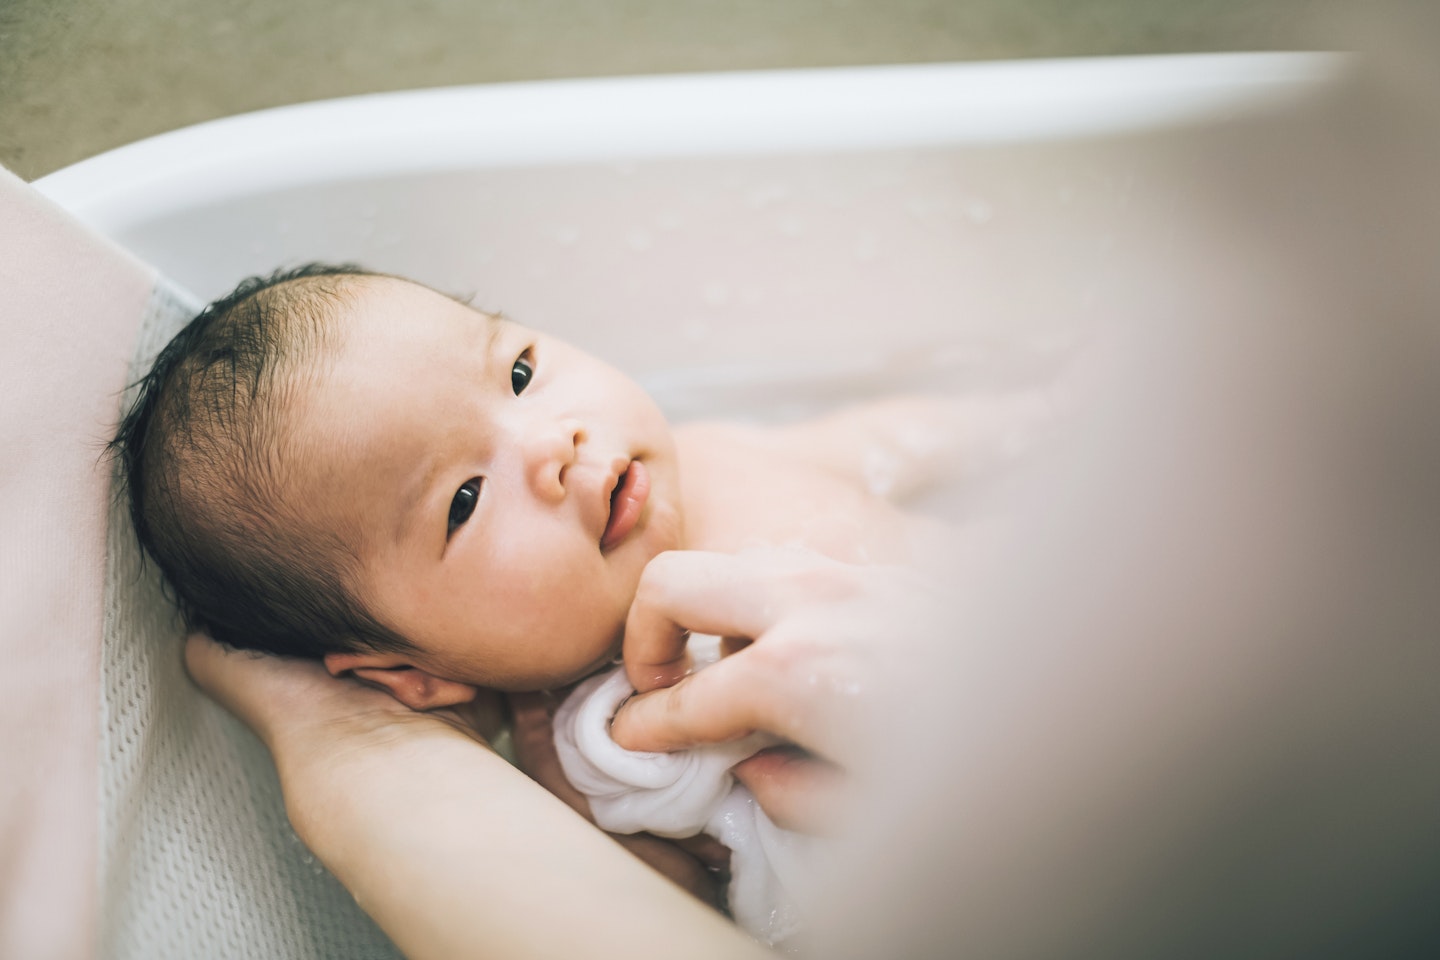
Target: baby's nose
550 449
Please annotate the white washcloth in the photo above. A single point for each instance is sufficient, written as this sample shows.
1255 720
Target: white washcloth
682 794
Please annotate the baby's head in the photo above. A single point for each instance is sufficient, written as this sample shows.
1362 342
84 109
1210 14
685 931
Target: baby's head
331 463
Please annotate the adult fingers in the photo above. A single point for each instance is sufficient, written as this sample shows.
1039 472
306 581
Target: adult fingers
724 702
244 681
795 789
279 695
203 660
681 591
254 687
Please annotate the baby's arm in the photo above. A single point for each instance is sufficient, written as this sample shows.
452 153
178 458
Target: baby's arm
897 448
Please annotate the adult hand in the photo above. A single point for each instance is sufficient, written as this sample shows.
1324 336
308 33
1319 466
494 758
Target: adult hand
413 817
284 700
302 713
815 648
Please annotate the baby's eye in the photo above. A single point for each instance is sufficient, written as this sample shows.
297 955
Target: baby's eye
521 372
464 504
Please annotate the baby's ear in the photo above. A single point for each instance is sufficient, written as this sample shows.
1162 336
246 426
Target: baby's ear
412 686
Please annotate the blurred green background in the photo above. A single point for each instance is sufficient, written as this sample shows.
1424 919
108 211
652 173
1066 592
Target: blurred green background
78 77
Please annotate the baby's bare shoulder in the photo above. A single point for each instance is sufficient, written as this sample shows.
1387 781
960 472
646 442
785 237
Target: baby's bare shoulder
722 430
746 485
721 438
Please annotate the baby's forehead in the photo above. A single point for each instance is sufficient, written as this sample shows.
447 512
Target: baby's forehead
381 289
384 310
396 347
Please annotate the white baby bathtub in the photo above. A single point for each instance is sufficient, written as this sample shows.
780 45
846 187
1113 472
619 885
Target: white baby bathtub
748 244
785 226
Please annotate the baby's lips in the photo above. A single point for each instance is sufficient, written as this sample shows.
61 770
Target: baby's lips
601 480
626 505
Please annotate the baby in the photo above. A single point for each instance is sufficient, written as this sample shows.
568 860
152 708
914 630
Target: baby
348 466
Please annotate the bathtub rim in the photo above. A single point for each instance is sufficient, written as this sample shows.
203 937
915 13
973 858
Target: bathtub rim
618 119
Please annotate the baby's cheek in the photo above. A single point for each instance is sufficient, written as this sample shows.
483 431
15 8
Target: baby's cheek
588 633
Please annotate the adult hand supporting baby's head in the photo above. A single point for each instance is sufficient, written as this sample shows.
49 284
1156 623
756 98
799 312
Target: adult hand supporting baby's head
819 647
379 792
271 693
296 705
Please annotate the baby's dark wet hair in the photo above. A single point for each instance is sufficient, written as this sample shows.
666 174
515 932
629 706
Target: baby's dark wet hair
202 454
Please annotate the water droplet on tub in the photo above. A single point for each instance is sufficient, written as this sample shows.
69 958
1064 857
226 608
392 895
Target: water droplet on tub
639 240
867 247
979 212
880 469
669 220
625 168
567 235
369 211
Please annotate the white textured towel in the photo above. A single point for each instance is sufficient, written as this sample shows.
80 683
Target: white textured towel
682 794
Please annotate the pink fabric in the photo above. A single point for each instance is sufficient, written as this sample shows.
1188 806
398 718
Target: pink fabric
70 304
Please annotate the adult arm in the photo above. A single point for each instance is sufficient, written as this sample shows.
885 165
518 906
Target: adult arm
451 850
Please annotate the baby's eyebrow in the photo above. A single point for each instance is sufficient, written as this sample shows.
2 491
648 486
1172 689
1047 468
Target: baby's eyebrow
408 516
494 323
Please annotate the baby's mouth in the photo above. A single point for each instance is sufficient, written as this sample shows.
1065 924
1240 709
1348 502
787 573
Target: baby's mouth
627 501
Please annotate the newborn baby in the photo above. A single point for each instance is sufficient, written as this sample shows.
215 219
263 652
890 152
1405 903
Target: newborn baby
348 466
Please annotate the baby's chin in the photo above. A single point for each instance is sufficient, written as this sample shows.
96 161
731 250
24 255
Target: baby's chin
611 658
